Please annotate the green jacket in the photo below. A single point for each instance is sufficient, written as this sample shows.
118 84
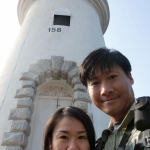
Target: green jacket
114 139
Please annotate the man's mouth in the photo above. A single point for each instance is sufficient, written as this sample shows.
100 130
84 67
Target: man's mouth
110 99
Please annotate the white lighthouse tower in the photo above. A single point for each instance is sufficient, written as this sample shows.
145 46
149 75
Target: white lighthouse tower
41 74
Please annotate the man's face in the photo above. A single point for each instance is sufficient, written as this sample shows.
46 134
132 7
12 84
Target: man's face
112 92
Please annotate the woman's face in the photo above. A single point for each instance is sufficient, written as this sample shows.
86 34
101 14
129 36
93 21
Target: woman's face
69 134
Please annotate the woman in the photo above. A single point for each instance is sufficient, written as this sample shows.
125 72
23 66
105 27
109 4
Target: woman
69 128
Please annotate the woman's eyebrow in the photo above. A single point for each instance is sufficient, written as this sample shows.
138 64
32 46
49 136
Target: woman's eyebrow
82 131
65 131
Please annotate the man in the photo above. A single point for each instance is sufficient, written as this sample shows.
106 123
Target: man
107 75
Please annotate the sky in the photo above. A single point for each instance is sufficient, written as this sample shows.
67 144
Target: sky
128 31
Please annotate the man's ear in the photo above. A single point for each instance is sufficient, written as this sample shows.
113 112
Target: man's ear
131 78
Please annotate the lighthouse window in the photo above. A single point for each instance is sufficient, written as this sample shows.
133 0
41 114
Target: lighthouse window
61 20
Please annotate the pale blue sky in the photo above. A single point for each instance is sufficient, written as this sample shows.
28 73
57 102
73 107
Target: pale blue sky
128 32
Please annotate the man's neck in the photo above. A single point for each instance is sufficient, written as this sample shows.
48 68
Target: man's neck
120 116
114 120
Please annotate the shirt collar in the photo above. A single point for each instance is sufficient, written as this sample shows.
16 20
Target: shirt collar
126 120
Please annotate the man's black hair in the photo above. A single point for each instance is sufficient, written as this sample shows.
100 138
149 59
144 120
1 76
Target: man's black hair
105 59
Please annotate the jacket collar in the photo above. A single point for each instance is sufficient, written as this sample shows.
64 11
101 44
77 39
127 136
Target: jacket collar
126 120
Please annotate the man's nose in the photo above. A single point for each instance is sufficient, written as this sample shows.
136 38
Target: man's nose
106 88
73 145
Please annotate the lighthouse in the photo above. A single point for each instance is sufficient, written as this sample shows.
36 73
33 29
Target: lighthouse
41 74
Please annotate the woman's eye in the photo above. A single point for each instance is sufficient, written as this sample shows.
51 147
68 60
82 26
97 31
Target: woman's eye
82 137
63 137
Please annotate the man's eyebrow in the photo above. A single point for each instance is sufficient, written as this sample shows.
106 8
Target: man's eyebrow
92 78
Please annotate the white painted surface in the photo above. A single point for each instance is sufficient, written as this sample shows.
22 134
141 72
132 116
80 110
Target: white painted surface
44 108
36 42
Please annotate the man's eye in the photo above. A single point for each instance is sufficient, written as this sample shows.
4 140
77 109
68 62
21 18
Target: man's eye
95 83
113 76
63 137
